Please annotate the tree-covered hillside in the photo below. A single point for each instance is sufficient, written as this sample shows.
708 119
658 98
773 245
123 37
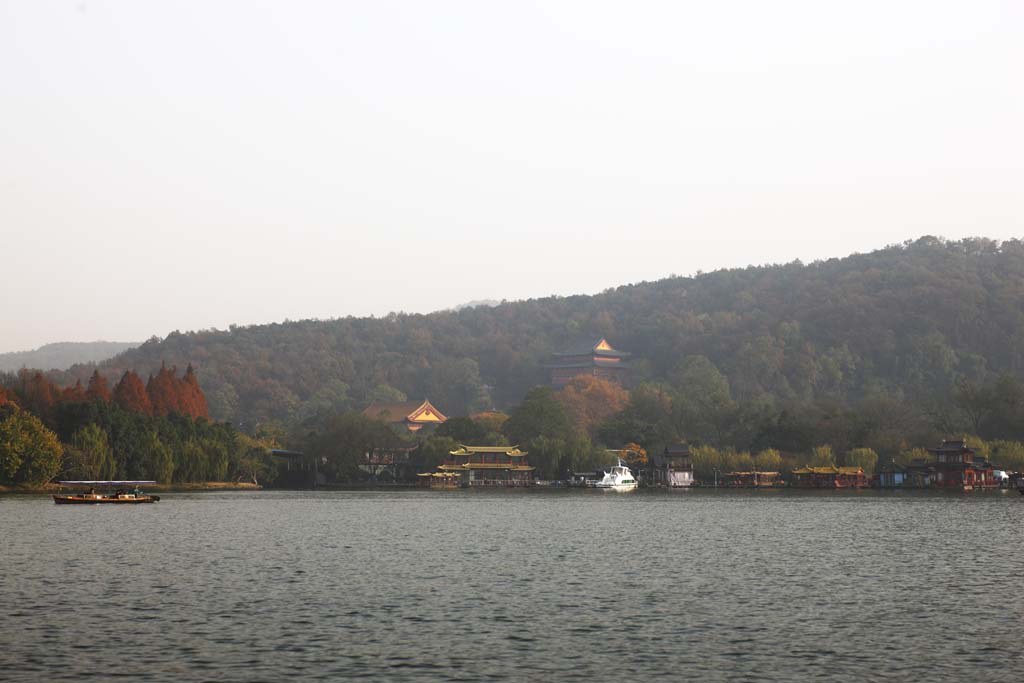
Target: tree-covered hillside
908 321
62 355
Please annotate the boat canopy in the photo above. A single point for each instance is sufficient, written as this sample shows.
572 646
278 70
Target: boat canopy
107 482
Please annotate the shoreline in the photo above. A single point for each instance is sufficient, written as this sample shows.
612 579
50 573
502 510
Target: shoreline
162 488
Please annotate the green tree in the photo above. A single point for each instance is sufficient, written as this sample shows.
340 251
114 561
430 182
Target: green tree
539 415
864 458
30 454
768 460
822 456
90 455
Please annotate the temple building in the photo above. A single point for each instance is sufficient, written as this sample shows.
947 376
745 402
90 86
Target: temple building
673 467
478 466
412 415
830 477
957 467
596 358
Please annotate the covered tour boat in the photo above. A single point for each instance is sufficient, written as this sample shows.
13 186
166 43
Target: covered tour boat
126 492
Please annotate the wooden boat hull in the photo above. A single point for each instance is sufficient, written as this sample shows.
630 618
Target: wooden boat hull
102 500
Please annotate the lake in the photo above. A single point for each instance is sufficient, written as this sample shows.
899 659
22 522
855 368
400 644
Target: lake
543 585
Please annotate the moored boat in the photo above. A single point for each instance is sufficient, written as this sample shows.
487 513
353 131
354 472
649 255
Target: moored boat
619 478
120 495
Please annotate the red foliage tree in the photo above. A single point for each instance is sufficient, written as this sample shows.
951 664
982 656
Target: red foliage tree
164 394
75 394
38 394
98 389
194 398
130 394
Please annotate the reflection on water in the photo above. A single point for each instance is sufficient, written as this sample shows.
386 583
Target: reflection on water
546 585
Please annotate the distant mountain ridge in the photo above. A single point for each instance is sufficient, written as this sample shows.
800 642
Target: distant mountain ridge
62 355
910 320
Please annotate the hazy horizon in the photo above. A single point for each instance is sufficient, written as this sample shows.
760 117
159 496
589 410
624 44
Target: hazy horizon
186 166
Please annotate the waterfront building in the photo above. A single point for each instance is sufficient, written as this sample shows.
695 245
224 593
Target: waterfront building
829 477
753 479
473 466
390 463
596 358
893 476
412 415
672 468
957 466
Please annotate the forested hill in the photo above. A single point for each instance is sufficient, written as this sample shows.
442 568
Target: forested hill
62 355
909 320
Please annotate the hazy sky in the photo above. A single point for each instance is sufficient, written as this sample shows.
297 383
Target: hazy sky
185 165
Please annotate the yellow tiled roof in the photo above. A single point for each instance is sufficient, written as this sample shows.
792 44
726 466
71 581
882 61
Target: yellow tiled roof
831 469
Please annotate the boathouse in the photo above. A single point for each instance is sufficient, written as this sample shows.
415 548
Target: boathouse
412 415
754 479
484 466
596 358
673 467
829 477
388 463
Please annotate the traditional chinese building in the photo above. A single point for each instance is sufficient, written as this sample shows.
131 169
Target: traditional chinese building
473 466
753 479
830 477
596 358
412 415
956 466
672 468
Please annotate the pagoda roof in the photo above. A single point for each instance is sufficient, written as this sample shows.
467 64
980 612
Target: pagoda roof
599 347
952 446
599 362
408 411
485 466
512 451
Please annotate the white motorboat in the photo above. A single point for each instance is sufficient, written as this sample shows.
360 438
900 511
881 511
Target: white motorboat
619 478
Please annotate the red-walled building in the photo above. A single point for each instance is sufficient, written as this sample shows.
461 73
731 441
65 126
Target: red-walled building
957 467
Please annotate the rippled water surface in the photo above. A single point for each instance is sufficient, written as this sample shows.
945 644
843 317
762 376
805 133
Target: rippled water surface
545 585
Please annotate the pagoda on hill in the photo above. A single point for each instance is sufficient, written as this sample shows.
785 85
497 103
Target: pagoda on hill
596 358
413 415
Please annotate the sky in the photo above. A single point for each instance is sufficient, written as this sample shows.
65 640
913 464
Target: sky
190 165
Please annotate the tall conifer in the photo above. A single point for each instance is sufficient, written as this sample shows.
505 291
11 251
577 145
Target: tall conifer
195 399
130 394
98 388
163 392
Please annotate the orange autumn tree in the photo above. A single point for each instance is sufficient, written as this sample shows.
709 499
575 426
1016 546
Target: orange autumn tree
164 394
589 401
131 395
634 454
168 394
98 389
193 400
38 394
75 394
